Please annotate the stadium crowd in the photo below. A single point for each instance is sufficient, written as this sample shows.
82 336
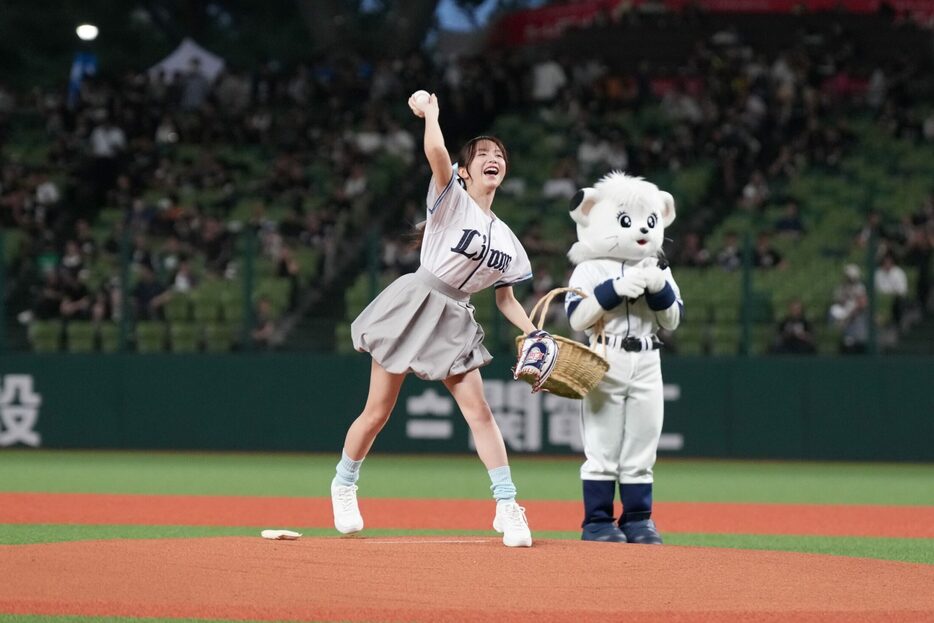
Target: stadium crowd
294 153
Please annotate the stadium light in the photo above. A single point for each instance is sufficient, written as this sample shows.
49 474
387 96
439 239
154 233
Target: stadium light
86 32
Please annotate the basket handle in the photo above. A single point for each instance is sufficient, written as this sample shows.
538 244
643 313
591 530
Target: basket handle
541 308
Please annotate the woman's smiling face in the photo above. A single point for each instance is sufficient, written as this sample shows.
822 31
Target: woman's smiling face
487 168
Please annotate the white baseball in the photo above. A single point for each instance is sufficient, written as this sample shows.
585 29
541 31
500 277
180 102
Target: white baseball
418 100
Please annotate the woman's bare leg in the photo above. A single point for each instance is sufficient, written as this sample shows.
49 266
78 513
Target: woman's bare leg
384 390
467 390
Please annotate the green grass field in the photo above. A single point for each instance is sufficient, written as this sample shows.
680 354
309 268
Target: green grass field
463 477
554 478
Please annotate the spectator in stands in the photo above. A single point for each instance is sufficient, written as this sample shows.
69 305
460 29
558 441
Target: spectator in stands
216 245
730 257
764 255
794 334
287 268
356 184
536 243
47 196
790 223
891 282
850 312
542 283
101 304
84 237
399 257
107 144
142 255
399 142
195 87
562 183
48 300
76 299
184 280
919 246
755 192
757 117
592 153
690 252
72 261
548 78
148 294
264 326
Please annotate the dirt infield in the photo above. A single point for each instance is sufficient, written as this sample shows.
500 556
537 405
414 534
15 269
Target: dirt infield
453 579
801 519
450 578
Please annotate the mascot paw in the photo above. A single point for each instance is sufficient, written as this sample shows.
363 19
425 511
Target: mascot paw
654 279
631 285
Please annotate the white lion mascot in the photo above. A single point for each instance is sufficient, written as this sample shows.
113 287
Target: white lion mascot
621 267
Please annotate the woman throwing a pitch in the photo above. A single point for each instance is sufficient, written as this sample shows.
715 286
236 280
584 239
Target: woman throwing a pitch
423 322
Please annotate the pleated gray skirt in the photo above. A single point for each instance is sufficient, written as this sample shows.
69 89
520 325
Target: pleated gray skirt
422 325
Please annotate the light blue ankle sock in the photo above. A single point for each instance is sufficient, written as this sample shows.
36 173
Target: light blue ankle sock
348 471
502 487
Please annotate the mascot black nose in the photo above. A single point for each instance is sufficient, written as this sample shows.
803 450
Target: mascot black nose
576 200
643 230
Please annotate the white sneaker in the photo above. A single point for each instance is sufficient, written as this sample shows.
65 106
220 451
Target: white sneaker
347 518
510 520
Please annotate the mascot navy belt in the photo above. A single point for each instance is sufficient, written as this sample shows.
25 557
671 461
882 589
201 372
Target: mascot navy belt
632 344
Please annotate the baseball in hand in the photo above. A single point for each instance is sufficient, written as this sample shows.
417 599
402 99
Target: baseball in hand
417 102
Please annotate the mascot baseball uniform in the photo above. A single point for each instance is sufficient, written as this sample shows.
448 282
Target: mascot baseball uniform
620 266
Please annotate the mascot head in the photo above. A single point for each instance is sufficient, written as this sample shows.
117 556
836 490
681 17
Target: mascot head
621 218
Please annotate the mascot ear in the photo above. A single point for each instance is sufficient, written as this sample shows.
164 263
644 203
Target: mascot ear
668 209
581 204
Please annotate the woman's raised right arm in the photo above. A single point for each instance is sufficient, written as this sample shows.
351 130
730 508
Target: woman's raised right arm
435 151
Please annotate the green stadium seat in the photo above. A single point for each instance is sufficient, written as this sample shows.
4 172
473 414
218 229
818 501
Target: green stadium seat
232 311
81 336
178 308
206 306
220 337
726 339
687 339
185 337
150 337
277 291
308 260
45 336
110 337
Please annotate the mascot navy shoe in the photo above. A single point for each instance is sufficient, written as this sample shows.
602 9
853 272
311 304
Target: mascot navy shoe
643 532
606 532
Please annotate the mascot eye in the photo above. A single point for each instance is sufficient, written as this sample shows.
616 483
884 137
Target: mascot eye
624 219
652 221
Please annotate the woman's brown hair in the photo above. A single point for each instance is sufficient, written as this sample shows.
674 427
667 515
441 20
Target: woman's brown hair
466 155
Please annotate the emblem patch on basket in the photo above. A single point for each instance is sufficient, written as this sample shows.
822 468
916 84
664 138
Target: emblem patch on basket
537 360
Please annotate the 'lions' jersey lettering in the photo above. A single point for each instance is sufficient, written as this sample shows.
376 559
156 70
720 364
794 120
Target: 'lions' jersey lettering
464 244
499 261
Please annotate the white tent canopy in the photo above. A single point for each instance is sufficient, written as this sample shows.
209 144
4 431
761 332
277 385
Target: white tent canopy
180 61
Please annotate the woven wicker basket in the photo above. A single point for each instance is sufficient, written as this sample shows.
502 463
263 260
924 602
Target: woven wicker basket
578 369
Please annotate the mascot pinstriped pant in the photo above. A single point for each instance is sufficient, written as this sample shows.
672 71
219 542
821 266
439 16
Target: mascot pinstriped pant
620 266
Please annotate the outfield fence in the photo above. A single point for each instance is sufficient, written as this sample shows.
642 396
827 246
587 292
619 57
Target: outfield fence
866 408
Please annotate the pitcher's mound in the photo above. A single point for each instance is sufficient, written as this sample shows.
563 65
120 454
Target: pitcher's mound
463 579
